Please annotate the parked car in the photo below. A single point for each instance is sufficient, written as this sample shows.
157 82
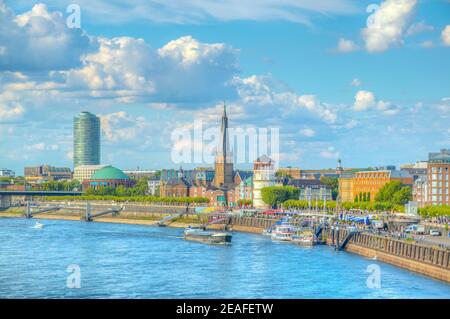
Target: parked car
435 232
420 230
410 228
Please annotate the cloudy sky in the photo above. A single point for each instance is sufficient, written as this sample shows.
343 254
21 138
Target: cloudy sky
367 81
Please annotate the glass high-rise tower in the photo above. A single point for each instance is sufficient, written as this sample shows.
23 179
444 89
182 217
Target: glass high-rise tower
86 139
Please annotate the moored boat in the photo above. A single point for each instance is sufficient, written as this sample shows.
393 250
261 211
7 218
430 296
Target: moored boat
200 234
305 238
283 232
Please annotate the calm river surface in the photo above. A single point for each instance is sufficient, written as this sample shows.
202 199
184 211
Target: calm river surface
132 261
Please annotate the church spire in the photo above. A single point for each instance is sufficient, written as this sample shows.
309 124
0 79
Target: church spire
223 147
224 157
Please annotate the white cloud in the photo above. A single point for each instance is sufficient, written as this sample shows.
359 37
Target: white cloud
10 107
308 132
427 44
346 46
329 153
41 146
312 103
351 124
69 155
444 105
37 146
387 27
356 82
184 70
39 40
365 100
121 126
445 35
268 93
419 27
203 11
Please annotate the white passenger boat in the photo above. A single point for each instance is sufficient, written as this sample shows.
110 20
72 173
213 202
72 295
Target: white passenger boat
283 232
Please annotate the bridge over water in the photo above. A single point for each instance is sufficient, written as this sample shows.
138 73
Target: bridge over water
6 196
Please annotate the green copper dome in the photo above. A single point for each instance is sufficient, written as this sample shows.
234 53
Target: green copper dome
109 172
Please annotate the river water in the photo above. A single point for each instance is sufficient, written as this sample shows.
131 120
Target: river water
133 261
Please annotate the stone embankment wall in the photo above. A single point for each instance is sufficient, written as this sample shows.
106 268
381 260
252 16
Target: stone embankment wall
424 259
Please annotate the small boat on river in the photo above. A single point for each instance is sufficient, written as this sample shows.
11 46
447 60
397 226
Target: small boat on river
200 234
38 225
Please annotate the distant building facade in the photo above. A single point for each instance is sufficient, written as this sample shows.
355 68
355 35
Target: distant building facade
35 174
292 172
139 173
312 190
438 176
420 191
4 172
368 183
86 139
346 193
83 172
263 176
153 186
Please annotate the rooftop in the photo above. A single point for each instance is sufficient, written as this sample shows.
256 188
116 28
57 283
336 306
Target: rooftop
109 172
442 157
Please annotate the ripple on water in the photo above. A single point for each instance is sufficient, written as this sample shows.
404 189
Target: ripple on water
133 261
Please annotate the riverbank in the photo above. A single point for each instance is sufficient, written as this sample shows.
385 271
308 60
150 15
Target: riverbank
131 220
427 260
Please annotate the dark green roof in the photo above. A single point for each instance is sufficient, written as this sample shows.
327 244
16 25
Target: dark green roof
109 172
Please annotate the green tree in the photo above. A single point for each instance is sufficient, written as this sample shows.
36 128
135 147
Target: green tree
333 183
386 193
403 196
274 195
141 186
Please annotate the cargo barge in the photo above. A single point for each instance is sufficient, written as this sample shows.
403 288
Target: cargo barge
200 234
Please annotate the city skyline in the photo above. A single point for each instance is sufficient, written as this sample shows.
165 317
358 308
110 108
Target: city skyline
317 73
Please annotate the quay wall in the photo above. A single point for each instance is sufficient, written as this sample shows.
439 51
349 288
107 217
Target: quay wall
427 260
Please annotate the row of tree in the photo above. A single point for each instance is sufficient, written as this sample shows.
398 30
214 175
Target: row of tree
435 211
362 197
143 199
140 189
375 206
72 185
303 204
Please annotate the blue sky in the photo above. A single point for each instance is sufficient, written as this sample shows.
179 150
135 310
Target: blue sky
336 85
